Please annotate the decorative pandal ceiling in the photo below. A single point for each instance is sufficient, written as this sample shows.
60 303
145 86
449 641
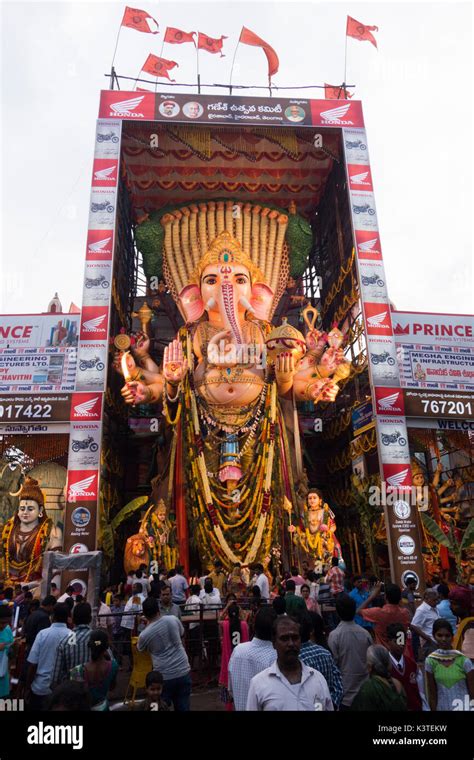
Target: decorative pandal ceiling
173 164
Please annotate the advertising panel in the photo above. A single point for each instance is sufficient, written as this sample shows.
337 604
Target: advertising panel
392 436
435 351
38 352
222 109
362 418
446 404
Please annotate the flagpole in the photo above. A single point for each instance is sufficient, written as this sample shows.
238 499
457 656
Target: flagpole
345 64
136 80
232 69
197 62
161 56
112 70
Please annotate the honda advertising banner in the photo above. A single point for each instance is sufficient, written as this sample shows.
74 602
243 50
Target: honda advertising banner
401 520
220 109
86 413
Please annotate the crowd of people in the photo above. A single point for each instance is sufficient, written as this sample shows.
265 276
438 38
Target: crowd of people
300 642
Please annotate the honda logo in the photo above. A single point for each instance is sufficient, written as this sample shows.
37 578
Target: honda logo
85 408
127 107
81 488
335 115
94 325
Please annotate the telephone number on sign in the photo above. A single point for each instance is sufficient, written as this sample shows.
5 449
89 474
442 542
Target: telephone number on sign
35 411
446 407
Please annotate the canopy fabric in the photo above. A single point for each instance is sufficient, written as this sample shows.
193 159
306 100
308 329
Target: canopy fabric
180 165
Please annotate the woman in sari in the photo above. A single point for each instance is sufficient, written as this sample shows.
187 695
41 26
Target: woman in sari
100 673
449 673
234 631
381 692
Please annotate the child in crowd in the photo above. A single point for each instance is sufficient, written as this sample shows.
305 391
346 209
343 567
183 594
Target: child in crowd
449 673
154 689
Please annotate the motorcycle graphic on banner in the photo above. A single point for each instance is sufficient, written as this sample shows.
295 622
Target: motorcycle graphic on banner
107 139
97 279
355 143
364 216
84 445
393 442
372 280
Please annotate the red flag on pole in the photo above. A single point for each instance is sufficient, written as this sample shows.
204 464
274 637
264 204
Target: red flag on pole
159 67
249 38
210 44
334 92
137 19
177 37
360 31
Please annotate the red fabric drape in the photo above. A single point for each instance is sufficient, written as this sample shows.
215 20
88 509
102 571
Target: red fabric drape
180 504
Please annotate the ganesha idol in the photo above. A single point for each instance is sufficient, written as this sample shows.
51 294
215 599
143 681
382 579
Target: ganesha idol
230 380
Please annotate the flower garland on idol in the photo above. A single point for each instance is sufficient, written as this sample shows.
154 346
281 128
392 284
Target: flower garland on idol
210 502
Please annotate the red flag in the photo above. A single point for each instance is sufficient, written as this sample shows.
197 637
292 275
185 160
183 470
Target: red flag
177 37
210 44
249 38
159 67
137 19
360 31
334 92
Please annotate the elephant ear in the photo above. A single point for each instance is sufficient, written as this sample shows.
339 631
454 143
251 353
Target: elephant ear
261 300
191 303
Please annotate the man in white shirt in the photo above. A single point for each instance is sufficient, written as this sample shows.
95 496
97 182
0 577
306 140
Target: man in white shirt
42 657
288 684
424 617
262 582
179 586
251 658
209 596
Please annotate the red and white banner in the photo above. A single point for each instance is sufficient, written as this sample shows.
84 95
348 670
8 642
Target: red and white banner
434 329
99 245
389 401
127 105
377 319
368 244
94 322
397 476
344 114
82 485
360 177
104 172
86 406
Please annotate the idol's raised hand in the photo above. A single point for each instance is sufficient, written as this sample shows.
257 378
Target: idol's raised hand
174 363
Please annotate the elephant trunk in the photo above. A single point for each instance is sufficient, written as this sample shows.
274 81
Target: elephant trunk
229 309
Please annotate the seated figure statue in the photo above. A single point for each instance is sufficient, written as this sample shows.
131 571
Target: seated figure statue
26 536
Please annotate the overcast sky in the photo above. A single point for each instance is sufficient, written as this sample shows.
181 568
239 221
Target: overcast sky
417 99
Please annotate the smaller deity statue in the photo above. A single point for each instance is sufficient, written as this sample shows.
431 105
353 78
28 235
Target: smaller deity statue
430 499
154 542
318 539
27 535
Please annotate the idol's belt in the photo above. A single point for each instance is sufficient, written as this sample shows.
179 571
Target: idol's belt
225 381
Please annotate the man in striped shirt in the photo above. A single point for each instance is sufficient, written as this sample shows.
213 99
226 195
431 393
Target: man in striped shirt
251 658
74 649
